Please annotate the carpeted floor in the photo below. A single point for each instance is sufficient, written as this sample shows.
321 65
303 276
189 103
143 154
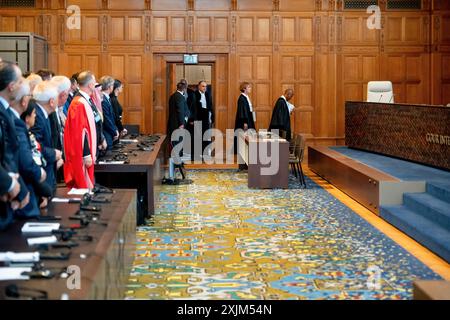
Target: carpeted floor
217 239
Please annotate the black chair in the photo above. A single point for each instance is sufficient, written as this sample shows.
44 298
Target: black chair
132 129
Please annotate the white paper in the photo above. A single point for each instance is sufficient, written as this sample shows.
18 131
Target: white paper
42 240
65 200
291 107
129 140
39 227
111 162
19 257
78 192
13 274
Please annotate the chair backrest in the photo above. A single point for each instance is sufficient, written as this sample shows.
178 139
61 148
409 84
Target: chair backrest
380 91
132 128
300 147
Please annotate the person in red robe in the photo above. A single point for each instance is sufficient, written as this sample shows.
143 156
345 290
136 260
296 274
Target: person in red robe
80 136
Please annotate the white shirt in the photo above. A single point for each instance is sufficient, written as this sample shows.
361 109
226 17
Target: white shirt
4 103
15 113
250 105
43 110
106 96
203 100
290 106
85 95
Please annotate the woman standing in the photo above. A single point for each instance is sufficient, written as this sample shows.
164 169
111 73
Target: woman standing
117 108
245 116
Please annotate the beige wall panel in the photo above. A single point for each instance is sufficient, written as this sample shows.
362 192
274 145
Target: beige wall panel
9 24
263 68
91 28
203 29
177 31
246 67
221 29
169 4
160 29
135 28
245 29
263 29
252 5
297 5
219 5
288 29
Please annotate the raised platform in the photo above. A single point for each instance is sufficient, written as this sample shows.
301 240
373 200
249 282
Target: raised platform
412 197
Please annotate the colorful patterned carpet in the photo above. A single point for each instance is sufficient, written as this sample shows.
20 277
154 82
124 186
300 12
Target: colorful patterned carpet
217 239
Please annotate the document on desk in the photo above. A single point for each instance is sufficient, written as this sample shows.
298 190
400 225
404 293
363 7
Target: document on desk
129 140
19 256
111 162
79 192
39 227
7 274
66 200
42 240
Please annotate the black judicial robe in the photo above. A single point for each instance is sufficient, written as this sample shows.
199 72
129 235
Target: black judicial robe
281 119
178 111
243 114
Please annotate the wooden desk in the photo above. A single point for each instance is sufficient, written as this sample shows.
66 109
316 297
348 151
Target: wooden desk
105 271
431 290
419 133
249 152
144 173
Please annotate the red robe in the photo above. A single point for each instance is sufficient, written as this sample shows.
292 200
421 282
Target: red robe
79 124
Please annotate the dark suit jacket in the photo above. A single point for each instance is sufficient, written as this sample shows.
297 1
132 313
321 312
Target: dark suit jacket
178 110
55 129
202 114
43 134
5 179
118 110
28 169
109 125
10 163
11 147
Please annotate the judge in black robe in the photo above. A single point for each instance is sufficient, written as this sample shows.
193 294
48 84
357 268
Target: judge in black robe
178 113
244 115
281 119
204 112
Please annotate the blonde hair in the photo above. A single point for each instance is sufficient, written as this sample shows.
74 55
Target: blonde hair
244 86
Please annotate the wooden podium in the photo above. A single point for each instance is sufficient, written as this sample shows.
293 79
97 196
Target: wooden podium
267 158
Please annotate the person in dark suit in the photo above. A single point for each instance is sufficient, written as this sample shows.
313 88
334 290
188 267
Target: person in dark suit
203 108
117 107
10 79
57 121
109 125
178 114
31 173
188 94
281 115
46 100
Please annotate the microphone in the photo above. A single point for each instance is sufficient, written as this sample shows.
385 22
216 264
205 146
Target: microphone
381 96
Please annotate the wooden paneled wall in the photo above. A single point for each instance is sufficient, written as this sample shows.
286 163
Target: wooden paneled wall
327 54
